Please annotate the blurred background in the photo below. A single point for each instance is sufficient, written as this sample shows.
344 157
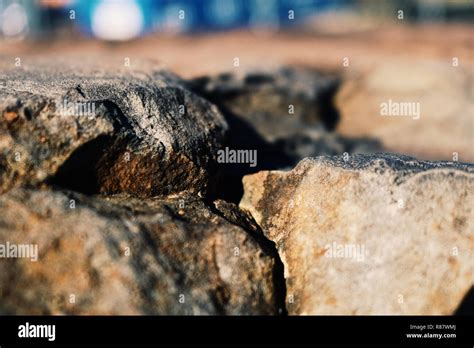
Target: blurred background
122 20
403 50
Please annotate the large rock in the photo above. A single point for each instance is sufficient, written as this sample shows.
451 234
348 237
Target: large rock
369 234
280 107
131 256
276 102
444 127
104 129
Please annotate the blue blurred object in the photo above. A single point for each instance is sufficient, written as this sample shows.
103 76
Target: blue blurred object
115 20
126 19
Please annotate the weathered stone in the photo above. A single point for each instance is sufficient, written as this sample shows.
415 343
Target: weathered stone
276 102
372 234
94 129
124 255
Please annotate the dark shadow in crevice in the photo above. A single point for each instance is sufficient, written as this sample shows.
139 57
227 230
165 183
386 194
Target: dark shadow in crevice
328 112
270 156
467 304
78 173
243 136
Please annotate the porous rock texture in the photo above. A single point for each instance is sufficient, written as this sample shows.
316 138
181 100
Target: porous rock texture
369 234
123 255
96 128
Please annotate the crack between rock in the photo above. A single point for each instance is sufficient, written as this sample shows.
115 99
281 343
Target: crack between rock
268 245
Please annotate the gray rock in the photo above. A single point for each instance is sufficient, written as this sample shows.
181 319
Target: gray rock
276 102
124 255
103 129
369 234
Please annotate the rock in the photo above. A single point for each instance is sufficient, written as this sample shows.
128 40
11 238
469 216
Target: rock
444 128
276 102
284 114
281 108
104 129
124 255
369 234
317 142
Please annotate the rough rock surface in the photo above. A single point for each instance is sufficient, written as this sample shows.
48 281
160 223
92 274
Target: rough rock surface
104 129
124 255
369 234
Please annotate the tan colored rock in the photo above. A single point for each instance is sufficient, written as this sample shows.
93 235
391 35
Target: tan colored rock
173 256
379 234
444 128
